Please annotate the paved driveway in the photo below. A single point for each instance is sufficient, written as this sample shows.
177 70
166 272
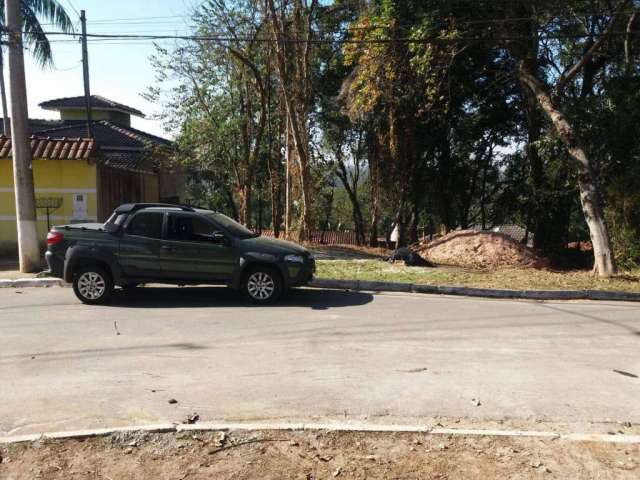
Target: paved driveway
318 356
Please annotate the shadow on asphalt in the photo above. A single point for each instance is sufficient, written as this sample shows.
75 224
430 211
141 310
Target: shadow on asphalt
198 297
629 329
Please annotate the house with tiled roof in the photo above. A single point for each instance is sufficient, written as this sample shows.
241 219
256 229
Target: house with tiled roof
82 179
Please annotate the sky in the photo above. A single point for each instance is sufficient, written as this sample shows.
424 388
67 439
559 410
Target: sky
119 70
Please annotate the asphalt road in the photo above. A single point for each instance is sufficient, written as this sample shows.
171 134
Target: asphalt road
318 356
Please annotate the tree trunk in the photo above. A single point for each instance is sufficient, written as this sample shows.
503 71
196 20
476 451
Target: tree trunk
26 216
288 155
443 183
628 47
252 143
374 179
6 124
231 203
413 223
352 192
604 261
536 210
398 153
275 180
358 219
245 195
305 185
293 72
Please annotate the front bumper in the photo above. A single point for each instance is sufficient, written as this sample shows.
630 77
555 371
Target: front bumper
300 274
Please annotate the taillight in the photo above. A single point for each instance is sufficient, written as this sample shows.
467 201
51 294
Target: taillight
54 238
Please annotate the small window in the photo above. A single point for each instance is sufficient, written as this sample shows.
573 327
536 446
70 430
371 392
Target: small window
186 228
146 224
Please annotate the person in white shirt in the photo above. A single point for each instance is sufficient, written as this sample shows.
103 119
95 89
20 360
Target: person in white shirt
395 235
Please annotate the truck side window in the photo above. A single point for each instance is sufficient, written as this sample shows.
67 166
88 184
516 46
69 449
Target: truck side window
189 229
146 224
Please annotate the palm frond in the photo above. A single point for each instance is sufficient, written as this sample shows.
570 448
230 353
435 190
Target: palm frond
33 12
35 36
52 11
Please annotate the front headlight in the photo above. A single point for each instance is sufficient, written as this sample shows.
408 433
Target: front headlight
294 259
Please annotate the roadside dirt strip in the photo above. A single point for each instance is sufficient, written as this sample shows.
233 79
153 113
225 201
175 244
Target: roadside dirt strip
315 454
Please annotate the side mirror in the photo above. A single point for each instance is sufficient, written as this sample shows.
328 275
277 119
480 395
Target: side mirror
219 238
111 227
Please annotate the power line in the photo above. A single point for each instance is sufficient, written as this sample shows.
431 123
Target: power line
165 19
224 38
73 7
78 64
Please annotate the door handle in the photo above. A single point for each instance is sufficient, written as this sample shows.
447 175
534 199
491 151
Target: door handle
167 248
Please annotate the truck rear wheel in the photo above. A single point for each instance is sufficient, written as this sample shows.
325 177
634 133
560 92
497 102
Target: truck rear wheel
93 285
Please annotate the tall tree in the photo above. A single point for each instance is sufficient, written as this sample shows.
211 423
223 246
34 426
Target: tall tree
579 59
560 52
220 99
291 27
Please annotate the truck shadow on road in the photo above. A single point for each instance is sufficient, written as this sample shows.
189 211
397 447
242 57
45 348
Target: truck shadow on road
199 297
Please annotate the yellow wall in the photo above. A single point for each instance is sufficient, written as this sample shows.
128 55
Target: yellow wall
118 117
53 178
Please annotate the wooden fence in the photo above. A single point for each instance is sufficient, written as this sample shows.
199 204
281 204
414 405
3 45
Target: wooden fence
321 237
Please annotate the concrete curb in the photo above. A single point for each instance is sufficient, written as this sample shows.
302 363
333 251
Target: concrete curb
334 427
373 286
475 292
32 282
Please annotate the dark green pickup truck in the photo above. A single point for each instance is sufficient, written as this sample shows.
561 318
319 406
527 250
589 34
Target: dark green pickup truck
160 243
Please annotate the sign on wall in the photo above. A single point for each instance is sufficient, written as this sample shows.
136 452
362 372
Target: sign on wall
80 207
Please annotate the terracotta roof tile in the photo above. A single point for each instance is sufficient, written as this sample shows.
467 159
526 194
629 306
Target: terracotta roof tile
55 148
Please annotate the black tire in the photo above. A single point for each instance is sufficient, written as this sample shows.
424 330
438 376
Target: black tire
262 285
93 285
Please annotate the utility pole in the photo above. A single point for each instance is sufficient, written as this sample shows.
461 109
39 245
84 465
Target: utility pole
85 69
26 217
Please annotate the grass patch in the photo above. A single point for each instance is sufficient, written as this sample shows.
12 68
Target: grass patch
511 279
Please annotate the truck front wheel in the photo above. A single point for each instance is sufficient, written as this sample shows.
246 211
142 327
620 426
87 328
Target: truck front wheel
262 285
93 285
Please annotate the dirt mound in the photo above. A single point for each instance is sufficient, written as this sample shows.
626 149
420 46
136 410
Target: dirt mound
468 248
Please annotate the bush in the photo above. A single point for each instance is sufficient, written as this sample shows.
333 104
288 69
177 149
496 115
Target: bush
626 244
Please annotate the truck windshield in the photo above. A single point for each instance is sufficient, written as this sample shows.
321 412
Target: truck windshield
116 219
115 222
234 228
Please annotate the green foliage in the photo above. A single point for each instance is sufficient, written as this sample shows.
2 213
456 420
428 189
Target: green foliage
435 134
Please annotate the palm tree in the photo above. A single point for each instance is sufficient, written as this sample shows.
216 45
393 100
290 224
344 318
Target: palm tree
35 36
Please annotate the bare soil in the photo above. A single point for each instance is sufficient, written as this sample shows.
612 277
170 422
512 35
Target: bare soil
315 455
485 250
